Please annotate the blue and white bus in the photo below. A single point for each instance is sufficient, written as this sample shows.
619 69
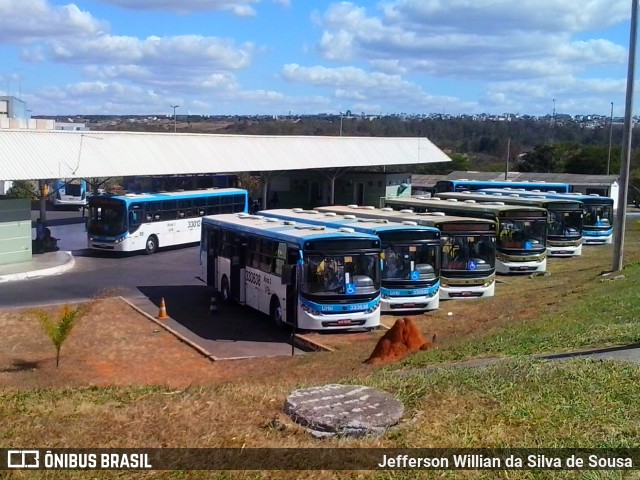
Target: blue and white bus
442 186
468 253
597 226
311 277
564 232
147 221
68 192
521 244
410 277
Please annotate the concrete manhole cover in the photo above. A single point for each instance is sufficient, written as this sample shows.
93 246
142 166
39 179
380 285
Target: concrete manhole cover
343 410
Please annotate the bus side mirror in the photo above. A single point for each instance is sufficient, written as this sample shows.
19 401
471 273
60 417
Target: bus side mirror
287 274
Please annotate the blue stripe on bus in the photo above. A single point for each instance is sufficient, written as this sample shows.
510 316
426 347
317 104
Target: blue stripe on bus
341 308
597 233
411 292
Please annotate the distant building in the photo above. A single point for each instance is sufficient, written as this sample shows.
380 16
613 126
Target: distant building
71 126
12 107
14 115
309 189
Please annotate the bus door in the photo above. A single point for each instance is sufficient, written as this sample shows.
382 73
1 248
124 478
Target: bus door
212 258
292 287
238 264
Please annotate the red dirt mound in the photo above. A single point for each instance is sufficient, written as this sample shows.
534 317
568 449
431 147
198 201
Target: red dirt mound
400 340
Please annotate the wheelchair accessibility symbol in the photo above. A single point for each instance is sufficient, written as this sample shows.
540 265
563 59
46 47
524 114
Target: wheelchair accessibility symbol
415 275
350 289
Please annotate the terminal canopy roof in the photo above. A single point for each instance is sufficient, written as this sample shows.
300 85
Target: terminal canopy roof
43 154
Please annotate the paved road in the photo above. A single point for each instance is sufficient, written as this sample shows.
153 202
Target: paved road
97 271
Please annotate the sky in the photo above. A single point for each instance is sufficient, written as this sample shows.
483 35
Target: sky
302 57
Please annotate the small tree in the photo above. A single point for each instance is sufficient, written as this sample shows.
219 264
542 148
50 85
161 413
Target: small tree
22 189
58 329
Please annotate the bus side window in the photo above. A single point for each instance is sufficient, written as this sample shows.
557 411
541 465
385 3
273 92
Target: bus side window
266 255
169 210
153 209
213 205
253 249
199 207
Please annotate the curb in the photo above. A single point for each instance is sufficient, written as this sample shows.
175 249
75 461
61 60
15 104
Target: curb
312 344
67 265
179 336
488 362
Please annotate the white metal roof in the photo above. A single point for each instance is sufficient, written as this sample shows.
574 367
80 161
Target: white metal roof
42 154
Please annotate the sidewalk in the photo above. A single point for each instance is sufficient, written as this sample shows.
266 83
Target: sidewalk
40 265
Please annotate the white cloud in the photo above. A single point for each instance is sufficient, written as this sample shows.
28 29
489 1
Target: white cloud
241 8
504 16
445 38
169 55
23 21
390 66
358 88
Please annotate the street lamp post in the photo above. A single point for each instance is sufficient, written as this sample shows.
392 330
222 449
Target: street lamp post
623 182
610 138
341 117
174 116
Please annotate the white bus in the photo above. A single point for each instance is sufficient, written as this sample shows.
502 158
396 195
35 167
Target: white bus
597 227
308 276
565 217
468 254
411 256
521 243
70 192
147 221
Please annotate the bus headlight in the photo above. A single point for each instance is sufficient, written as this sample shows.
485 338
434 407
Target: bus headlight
309 310
384 295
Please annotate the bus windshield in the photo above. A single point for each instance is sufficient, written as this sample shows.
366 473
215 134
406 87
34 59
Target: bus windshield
410 262
107 219
342 274
522 234
468 252
567 224
598 215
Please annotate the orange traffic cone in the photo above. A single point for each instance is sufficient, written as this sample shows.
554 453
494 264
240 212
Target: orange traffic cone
162 315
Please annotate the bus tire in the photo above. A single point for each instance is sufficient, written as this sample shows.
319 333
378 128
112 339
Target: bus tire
275 312
225 292
151 246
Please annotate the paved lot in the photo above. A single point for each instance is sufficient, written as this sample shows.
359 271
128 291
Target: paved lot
234 332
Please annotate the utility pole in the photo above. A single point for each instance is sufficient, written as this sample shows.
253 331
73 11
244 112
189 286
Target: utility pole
610 138
506 169
621 212
174 116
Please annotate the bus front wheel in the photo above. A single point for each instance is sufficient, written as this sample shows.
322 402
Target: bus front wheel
151 246
276 312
